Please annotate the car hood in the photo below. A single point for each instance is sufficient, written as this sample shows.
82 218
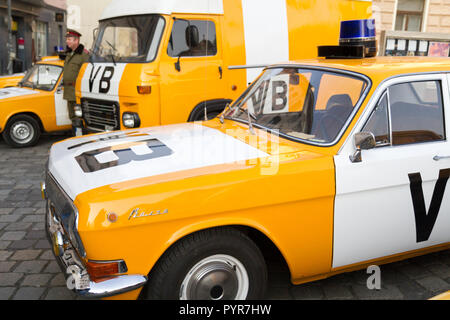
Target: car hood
94 161
14 92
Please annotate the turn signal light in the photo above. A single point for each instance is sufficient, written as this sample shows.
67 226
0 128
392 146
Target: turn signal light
102 269
144 89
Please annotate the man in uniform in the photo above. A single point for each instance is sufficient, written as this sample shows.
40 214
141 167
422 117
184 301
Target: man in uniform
76 55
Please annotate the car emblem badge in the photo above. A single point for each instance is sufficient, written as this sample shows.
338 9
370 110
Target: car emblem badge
136 213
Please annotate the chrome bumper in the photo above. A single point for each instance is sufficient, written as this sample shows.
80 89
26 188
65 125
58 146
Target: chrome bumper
73 266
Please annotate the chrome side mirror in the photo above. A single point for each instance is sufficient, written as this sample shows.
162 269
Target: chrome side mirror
60 88
363 141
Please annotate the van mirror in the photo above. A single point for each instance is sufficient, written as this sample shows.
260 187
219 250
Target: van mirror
94 34
363 141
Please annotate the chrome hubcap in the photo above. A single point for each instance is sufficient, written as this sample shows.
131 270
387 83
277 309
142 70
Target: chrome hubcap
219 277
22 132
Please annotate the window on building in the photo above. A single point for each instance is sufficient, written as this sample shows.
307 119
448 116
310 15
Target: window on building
409 15
40 37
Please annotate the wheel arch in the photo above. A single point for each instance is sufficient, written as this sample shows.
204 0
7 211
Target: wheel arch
211 106
268 247
28 113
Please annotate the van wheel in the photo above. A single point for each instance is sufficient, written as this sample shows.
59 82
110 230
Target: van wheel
214 264
22 131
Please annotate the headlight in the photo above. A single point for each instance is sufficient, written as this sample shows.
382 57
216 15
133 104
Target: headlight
65 212
78 111
131 120
74 236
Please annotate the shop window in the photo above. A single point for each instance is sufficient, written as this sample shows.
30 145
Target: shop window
40 38
409 15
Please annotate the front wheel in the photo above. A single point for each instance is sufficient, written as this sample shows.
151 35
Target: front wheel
22 131
214 264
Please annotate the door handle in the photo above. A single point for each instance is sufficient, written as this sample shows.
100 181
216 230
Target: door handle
220 71
437 158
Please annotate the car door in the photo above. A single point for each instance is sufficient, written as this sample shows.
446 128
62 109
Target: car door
191 67
61 111
396 199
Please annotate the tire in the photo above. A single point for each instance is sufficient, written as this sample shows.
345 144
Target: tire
22 131
214 264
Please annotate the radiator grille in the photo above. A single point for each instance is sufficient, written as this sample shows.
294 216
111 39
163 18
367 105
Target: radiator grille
101 115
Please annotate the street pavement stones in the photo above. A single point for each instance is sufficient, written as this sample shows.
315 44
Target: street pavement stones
28 270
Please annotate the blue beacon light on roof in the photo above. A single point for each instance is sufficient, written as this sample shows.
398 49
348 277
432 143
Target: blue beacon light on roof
357 40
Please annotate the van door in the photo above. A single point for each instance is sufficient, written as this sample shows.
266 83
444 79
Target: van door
192 69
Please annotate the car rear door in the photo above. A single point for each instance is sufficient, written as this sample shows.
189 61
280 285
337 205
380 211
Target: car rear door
396 199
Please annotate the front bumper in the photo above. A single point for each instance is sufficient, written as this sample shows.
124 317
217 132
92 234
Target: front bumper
73 266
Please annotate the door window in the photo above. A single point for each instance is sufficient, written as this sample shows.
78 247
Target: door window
192 38
416 114
378 122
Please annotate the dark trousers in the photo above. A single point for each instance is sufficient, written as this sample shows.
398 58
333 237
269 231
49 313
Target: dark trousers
70 109
76 127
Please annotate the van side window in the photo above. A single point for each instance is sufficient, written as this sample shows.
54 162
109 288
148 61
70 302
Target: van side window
417 113
192 38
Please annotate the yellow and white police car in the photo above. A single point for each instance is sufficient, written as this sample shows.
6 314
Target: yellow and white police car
35 105
339 163
11 80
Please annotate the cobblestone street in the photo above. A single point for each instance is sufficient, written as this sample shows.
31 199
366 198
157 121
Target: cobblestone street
28 269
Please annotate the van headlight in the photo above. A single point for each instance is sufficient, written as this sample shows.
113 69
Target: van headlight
78 111
131 120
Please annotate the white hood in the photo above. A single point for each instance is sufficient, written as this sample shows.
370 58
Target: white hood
90 162
15 92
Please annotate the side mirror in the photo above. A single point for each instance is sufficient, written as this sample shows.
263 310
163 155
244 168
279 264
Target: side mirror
94 34
60 88
363 141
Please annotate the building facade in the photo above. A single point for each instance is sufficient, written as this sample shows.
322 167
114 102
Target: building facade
85 20
38 27
413 27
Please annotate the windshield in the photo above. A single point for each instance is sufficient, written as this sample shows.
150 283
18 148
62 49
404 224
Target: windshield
308 104
42 76
128 39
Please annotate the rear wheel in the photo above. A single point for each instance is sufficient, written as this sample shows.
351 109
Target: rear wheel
214 264
22 131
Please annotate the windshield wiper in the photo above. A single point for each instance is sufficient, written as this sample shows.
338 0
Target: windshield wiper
27 84
115 50
249 117
112 58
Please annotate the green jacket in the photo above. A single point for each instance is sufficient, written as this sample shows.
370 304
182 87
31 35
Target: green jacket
72 65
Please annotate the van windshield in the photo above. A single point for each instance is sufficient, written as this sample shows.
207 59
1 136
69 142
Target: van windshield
128 39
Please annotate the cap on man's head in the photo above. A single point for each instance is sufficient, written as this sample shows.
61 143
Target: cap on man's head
72 33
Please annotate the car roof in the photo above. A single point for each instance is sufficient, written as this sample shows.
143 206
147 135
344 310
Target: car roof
380 66
56 61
